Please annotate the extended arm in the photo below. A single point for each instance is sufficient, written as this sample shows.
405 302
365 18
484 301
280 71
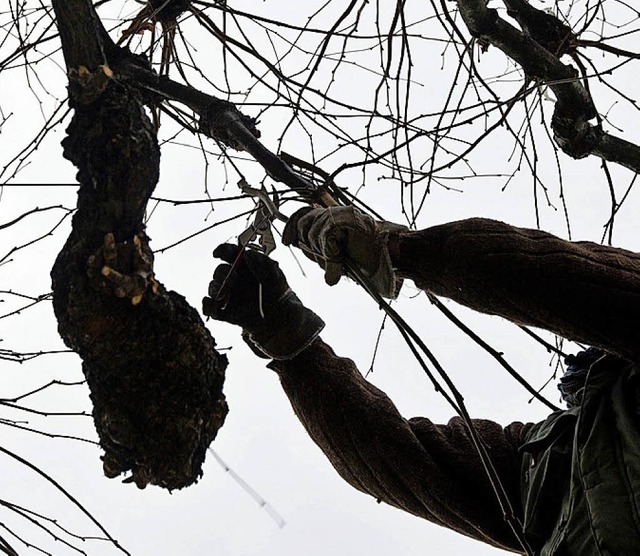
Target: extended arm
432 471
581 290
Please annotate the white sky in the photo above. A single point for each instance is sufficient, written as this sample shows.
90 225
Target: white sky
261 440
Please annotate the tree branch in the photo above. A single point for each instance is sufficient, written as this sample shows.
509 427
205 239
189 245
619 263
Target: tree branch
220 120
150 363
574 107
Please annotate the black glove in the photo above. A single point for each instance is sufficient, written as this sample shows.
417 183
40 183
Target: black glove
251 291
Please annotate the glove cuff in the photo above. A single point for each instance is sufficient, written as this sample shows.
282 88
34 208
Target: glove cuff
385 278
288 330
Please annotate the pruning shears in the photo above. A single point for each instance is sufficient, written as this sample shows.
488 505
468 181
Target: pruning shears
259 234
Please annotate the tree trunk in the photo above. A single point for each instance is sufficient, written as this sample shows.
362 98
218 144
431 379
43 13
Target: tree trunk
153 372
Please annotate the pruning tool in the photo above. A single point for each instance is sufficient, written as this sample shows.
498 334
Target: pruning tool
259 234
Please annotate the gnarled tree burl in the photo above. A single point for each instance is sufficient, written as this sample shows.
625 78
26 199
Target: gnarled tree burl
151 365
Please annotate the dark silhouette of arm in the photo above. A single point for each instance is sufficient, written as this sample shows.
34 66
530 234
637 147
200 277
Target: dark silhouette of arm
580 290
432 471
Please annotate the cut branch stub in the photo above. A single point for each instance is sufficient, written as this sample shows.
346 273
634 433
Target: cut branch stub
154 375
220 118
86 86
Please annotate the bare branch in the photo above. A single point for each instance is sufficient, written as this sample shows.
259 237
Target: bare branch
574 109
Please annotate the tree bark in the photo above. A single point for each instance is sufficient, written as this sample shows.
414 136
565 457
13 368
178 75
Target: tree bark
154 375
574 110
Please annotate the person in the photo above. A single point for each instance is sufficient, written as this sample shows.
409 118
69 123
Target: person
572 479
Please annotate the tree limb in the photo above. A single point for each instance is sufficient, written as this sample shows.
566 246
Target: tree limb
153 372
574 108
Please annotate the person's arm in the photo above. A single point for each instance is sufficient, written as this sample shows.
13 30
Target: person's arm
581 290
432 471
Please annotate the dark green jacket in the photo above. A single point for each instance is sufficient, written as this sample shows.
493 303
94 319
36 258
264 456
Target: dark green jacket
574 479
581 470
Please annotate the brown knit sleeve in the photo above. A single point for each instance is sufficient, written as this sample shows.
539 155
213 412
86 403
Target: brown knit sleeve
431 471
581 290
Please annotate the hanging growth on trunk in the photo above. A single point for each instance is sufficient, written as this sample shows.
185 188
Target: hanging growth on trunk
154 375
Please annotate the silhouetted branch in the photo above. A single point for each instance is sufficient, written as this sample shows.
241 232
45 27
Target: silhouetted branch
574 109
151 365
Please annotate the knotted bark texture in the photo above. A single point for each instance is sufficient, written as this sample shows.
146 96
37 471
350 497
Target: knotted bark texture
537 48
154 375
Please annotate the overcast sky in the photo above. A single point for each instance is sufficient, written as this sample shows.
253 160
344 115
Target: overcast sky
262 441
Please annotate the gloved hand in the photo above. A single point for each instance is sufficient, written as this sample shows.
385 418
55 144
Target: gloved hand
338 235
252 292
